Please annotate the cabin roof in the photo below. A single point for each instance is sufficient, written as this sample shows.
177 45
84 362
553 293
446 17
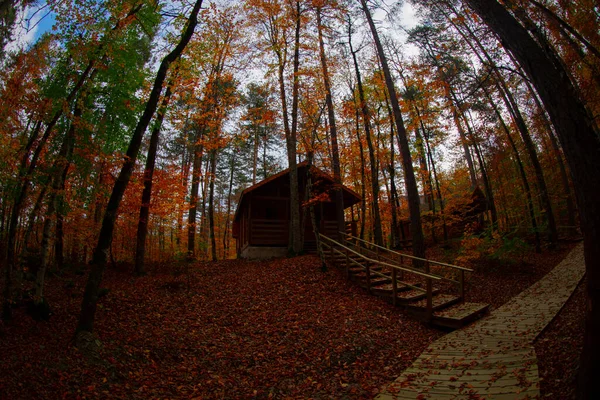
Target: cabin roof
301 166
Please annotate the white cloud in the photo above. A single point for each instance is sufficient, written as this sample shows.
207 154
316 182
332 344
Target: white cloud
25 29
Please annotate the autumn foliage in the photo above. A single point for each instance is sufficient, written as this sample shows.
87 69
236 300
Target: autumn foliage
440 129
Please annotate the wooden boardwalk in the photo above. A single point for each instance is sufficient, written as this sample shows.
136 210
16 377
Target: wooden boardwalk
494 358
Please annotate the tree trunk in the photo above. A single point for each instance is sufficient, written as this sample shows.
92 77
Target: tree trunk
142 228
393 191
412 191
227 215
558 157
211 205
296 242
521 170
363 178
581 144
59 172
484 176
337 175
193 211
25 173
90 296
565 25
377 232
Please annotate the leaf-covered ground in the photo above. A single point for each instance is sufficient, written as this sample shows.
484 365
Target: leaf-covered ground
280 329
558 349
496 282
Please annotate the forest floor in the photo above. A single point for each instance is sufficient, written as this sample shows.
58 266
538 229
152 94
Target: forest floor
237 329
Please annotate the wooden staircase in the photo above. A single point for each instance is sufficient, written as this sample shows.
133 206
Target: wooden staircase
430 291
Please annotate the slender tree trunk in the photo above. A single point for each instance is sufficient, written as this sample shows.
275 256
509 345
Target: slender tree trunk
32 218
521 169
409 175
465 143
376 215
255 156
59 168
25 175
227 215
438 190
393 190
425 175
484 176
337 175
296 242
363 178
537 167
557 156
90 296
193 211
211 205
142 228
565 25
59 257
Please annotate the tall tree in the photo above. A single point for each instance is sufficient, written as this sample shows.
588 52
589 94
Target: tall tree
581 144
98 265
366 117
337 175
142 229
410 182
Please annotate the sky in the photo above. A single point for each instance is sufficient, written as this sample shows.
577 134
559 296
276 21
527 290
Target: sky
32 22
29 26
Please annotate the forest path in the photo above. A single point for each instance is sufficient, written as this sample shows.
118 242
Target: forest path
493 358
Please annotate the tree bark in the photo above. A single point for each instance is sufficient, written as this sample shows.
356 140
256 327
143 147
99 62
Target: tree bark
513 109
211 205
142 228
364 108
337 175
295 226
193 211
90 296
412 191
581 144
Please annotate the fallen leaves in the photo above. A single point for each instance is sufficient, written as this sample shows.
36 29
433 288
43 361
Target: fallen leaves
276 329
558 348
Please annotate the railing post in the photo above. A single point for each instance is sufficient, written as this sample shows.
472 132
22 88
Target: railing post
394 287
429 300
401 271
368 278
347 264
429 294
331 252
462 284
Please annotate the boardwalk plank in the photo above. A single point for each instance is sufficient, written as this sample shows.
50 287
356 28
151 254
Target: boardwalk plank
494 357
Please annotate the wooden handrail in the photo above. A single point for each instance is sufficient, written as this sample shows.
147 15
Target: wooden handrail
385 258
424 274
411 257
376 272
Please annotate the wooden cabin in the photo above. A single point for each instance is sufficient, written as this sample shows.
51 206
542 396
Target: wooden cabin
262 218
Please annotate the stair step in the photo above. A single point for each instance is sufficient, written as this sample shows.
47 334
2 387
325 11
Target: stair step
459 314
380 281
357 270
409 296
363 275
438 302
388 287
